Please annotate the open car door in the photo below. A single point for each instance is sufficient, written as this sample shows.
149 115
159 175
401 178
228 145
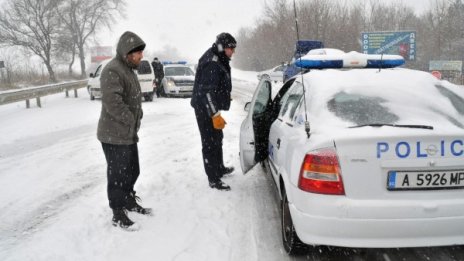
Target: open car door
254 131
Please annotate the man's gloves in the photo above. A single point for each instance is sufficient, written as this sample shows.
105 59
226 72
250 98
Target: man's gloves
218 122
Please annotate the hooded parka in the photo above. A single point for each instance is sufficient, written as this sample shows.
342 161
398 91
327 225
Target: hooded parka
121 96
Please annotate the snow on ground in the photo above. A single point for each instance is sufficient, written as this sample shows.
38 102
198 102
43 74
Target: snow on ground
54 203
53 179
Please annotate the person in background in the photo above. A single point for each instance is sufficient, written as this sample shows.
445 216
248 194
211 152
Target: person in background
119 123
159 74
211 94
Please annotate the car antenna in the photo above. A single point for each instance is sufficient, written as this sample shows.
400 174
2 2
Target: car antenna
307 128
381 62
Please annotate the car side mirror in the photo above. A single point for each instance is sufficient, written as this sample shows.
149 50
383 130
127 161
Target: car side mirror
91 75
247 106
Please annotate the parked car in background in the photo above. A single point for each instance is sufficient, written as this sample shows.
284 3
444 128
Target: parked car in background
276 74
144 73
146 79
178 80
362 154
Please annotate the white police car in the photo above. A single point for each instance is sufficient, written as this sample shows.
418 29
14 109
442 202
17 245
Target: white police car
382 162
178 80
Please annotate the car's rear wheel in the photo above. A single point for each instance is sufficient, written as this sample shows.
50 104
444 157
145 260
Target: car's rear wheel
292 244
149 96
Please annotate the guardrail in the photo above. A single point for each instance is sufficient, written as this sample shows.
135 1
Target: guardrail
40 91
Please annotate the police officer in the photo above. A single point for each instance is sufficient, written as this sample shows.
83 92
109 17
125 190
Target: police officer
159 74
211 94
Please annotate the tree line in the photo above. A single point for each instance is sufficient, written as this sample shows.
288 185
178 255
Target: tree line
56 30
339 24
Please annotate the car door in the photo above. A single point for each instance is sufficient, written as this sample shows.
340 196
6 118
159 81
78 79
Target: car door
283 129
255 127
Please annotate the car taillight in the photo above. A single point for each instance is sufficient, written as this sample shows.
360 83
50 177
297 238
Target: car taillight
320 173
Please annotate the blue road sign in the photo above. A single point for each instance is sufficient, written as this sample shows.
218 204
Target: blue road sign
401 43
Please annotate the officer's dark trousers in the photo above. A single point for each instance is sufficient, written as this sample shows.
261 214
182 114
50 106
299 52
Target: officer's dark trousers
211 142
122 172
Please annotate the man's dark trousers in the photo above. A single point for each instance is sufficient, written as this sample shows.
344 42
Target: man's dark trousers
122 173
211 142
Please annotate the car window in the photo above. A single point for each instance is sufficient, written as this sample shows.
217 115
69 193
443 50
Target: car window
279 69
290 101
178 71
263 98
361 109
144 68
455 99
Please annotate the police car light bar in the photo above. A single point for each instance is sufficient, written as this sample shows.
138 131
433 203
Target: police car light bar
179 62
319 60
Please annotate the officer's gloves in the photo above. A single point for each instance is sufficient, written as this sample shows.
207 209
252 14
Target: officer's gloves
218 122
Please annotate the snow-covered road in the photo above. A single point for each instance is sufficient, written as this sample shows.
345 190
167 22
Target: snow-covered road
53 191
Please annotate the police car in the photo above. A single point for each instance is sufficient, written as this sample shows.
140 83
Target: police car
362 154
178 80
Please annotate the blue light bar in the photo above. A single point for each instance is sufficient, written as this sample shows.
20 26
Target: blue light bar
179 62
319 64
384 63
336 59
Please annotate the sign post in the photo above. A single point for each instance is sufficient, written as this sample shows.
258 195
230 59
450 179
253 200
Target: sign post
400 43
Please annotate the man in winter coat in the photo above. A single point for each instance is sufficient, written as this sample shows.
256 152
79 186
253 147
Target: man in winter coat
118 126
211 94
159 74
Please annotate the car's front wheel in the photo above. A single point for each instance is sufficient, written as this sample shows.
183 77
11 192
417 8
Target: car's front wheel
292 244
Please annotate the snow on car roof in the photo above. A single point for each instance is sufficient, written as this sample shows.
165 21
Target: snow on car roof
405 96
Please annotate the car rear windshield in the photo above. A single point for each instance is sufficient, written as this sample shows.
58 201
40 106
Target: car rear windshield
361 109
178 71
144 68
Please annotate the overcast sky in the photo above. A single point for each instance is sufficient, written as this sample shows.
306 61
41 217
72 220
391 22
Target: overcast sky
191 26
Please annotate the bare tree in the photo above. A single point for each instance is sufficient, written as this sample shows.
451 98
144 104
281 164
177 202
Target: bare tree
32 24
82 18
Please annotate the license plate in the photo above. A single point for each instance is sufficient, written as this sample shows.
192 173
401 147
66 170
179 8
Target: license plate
417 180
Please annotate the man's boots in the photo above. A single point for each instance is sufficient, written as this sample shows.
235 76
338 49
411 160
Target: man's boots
132 205
121 219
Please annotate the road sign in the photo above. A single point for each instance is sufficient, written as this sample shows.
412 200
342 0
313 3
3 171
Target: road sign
401 43
100 53
445 66
437 74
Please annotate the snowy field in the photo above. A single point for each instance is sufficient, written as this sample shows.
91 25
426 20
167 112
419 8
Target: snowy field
53 190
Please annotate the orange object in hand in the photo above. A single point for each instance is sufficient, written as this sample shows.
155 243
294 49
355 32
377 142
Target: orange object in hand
218 122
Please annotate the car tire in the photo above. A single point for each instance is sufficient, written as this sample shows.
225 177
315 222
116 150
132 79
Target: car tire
292 244
149 96
92 97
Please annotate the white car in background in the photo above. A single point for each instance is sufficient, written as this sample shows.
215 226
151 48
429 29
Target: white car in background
369 157
144 74
178 80
276 74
